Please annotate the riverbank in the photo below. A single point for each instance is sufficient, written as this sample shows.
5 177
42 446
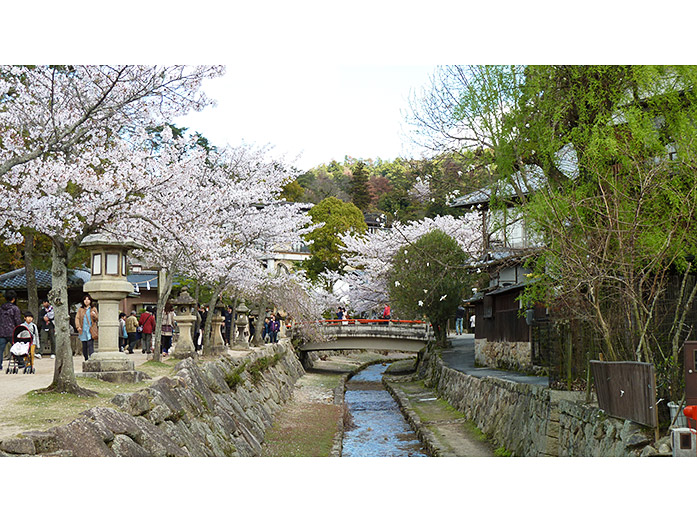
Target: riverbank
312 421
443 430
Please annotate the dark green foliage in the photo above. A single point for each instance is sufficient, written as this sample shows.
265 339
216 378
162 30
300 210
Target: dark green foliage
337 218
429 279
360 194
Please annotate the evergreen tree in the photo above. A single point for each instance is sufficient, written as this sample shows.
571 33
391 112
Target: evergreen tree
359 189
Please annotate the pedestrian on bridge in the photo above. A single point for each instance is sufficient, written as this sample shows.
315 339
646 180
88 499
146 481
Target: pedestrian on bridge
386 313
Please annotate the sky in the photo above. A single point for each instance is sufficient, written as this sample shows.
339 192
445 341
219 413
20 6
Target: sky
313 114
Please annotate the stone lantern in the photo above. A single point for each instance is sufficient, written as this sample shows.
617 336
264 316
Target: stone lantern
185 309
241 324
108 285
216 323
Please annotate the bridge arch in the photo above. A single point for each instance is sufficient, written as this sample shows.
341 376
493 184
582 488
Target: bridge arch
390 335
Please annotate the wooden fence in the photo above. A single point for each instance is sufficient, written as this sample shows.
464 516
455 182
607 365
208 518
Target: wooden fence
626 389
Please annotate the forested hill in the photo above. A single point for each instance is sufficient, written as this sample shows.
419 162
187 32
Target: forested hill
402 189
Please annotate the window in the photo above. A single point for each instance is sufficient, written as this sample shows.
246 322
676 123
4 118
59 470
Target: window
123 265
112 264
96 264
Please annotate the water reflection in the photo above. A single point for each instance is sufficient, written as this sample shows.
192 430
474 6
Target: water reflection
380 429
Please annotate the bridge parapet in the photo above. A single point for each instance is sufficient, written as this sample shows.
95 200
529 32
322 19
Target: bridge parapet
354 329
396 335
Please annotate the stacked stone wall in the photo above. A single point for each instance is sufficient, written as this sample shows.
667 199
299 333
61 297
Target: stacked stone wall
515 355
193 413
530 420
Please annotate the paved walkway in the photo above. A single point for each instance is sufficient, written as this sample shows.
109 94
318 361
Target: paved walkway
461 357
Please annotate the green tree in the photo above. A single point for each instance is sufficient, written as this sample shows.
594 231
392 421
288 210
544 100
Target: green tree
602 161
292 192
619 234
336 217
360 192
429 279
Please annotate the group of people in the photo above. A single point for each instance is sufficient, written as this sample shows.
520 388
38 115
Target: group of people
43 333
134 329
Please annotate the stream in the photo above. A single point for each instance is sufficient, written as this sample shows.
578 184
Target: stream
380 429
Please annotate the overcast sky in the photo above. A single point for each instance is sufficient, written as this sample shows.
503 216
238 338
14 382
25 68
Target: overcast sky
313 114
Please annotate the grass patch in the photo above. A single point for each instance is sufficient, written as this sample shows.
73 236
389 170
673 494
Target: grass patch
475 431
502 452
38 410
260 365
309 434
157 369
234 378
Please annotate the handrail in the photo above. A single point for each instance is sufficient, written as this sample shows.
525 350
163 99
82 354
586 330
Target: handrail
361 321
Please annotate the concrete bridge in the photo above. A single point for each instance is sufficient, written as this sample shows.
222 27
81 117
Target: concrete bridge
390 335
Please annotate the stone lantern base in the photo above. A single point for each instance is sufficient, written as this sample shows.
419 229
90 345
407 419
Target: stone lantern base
111 367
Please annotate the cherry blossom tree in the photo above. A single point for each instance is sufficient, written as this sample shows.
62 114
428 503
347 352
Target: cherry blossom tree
73 158
371 254
52 109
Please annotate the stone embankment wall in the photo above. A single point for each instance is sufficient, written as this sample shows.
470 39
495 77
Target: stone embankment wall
516 355
194 413
529 420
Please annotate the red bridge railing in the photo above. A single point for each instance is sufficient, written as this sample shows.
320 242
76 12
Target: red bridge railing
360 321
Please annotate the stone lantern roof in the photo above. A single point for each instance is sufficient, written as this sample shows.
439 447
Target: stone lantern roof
98 239
184 298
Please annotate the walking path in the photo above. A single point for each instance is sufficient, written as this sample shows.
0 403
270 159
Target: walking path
12 386
461 357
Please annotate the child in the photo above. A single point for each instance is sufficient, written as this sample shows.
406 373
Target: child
123 335
34 330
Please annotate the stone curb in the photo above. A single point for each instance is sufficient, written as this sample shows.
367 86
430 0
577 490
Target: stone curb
425 435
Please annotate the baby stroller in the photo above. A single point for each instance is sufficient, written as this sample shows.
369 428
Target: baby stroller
21 351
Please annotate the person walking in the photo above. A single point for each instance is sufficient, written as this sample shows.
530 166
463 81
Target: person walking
167 329
10 318
34 331
274 327
147 321
266 333
200 327
252 328
86 321
47 329
459 319
228 325
132 331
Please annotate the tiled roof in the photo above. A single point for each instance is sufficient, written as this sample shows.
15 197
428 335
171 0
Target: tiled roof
76 278
17 279
534 180
566 161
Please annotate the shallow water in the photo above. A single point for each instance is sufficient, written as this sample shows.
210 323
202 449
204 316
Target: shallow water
380 429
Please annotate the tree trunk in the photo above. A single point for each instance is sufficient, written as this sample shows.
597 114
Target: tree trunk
32 292
165 279
63 373
258 335
207 348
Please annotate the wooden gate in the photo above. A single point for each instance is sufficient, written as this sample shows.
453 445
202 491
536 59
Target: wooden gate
626 389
